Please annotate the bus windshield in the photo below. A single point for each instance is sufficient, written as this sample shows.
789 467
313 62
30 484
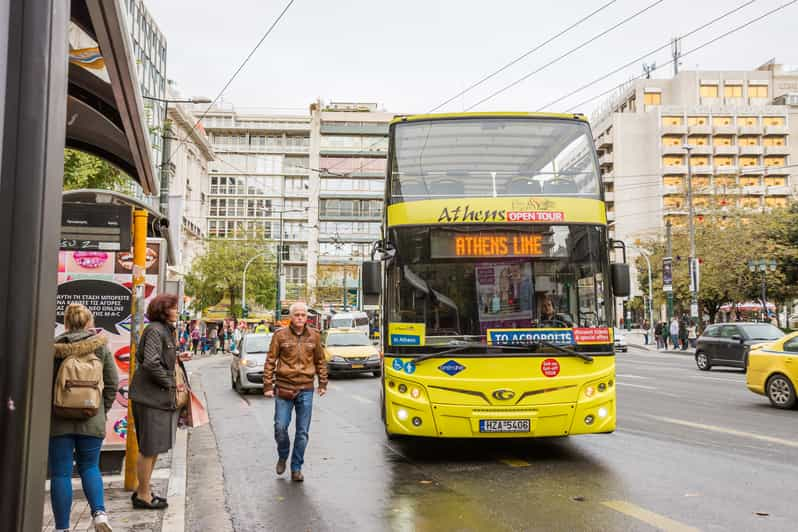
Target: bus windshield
492 157
460 282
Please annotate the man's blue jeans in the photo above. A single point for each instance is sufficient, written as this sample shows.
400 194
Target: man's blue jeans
86 452
283 409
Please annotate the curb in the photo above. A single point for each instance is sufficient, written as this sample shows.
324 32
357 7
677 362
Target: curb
174 517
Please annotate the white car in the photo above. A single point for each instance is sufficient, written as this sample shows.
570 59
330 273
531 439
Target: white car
620 340
246 367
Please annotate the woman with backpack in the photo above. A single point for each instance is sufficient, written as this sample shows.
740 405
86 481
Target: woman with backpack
77 431
159 391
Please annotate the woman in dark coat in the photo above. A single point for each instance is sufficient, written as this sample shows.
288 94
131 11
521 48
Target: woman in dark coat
153 392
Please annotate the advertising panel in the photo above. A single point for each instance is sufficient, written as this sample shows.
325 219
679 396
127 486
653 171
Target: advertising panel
102 281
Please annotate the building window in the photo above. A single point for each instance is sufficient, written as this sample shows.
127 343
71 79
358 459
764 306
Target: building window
749 181
774 140
733 91
673 181
748 140
672 140
773 120
757 91
673 202
748 121
296 185
723 140
697 120
749 161
671 120
672 160
776 181
709 90
698 140
776 202
652 98
722 121
699 160
775 161
723 162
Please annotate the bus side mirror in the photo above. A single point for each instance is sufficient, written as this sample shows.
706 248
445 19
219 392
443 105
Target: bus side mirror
621 284
371 278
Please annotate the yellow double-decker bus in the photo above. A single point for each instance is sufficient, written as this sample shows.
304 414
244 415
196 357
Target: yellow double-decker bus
495 279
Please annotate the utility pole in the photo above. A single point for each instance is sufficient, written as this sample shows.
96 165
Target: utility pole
676 53
691 230
667 271
346 299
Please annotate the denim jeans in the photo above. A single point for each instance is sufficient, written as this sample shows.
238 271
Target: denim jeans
283 409
86 452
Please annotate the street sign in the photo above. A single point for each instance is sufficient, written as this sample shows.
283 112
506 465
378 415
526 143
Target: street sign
667 274
693 310
92 227
695 275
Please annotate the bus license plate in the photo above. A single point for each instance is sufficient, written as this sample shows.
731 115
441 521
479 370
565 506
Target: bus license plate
503 425
358 366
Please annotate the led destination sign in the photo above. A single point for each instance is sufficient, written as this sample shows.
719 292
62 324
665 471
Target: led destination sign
448 245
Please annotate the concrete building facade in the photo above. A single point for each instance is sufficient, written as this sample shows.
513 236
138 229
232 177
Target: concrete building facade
742 127
319 175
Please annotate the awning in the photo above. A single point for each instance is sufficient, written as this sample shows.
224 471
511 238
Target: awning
105 111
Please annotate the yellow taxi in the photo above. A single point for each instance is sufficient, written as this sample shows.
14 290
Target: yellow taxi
773 370
349 350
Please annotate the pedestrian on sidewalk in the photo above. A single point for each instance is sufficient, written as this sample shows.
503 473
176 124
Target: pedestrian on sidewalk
674 330
80 438
213 337
692 334
296 353
658 334
646 331
155 391
195 338
683 332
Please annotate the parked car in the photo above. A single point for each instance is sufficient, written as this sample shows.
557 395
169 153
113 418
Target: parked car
728 344
773 371
246 368
620 340
350 320
349 350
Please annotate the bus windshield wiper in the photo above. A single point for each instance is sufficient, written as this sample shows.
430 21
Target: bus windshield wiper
561 349
466 345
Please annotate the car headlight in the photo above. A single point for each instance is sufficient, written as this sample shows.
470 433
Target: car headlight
374 358
251 363
338 359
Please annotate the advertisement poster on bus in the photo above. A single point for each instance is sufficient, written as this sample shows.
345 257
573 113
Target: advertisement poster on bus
102 281
506 295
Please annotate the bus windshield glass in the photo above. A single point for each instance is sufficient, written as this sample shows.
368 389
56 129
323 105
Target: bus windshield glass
460 282
492 157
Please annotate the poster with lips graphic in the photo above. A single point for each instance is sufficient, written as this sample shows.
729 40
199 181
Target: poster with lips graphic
102 281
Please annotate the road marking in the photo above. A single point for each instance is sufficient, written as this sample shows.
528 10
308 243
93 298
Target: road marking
724 430
731 380
641 386
361 399
514 462
647 516
632 376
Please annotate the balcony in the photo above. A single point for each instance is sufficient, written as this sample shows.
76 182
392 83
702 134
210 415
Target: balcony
751 150
606 159
672 189
726 170
725 130
610 216
777 170
701 169
700 129
352 129
700 150
674 169
609 196
776 130
334 216
254 148
777 150
674 129
781 190
361 194
674 209
674 150
749 130
710 100
608 176
725 150
604 141
754 189
259 126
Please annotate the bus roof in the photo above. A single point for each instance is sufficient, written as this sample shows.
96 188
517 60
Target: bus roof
449 116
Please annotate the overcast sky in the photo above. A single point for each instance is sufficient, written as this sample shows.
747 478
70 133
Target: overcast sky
411 55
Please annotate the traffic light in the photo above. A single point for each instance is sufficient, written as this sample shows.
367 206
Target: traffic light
244 311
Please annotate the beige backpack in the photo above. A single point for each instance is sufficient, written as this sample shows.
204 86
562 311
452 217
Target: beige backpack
78 390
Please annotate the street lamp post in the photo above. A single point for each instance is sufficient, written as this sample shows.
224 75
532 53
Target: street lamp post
244 280
650 290
763 265
691 229
164 191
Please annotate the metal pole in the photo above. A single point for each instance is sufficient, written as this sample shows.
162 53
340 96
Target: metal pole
669 254
277 306
764 292
691 230
136 328
346 299
164 199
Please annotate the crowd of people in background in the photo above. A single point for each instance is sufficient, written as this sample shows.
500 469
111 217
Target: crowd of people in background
210 337
680 333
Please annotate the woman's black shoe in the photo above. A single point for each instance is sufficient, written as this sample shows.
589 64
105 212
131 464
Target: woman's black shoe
156 504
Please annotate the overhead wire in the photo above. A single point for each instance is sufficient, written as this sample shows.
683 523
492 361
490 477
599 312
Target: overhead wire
522 56
647 54
689 52
568 53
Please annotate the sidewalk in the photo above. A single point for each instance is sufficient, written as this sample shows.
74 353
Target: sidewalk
635 338
168 478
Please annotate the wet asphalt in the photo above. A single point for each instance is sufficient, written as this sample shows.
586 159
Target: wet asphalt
693 451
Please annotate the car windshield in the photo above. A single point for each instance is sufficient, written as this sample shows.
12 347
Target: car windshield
341 323
492 157
461 283
347 339
762 331
257 343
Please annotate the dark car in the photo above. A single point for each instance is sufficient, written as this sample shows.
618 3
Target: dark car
727 344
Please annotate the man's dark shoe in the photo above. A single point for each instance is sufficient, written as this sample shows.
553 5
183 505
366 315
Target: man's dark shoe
280 466
296 476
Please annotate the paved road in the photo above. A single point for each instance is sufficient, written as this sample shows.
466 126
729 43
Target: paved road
693 451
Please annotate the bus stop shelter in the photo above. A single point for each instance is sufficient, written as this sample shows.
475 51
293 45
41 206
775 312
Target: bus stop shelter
48 102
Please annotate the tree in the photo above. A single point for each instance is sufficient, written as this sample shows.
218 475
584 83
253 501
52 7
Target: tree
219 272
82 170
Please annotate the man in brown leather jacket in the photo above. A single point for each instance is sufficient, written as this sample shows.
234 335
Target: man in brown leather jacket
295 359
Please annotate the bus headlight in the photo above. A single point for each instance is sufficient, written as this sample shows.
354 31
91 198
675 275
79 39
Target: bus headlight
402 414
602 412
590 391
